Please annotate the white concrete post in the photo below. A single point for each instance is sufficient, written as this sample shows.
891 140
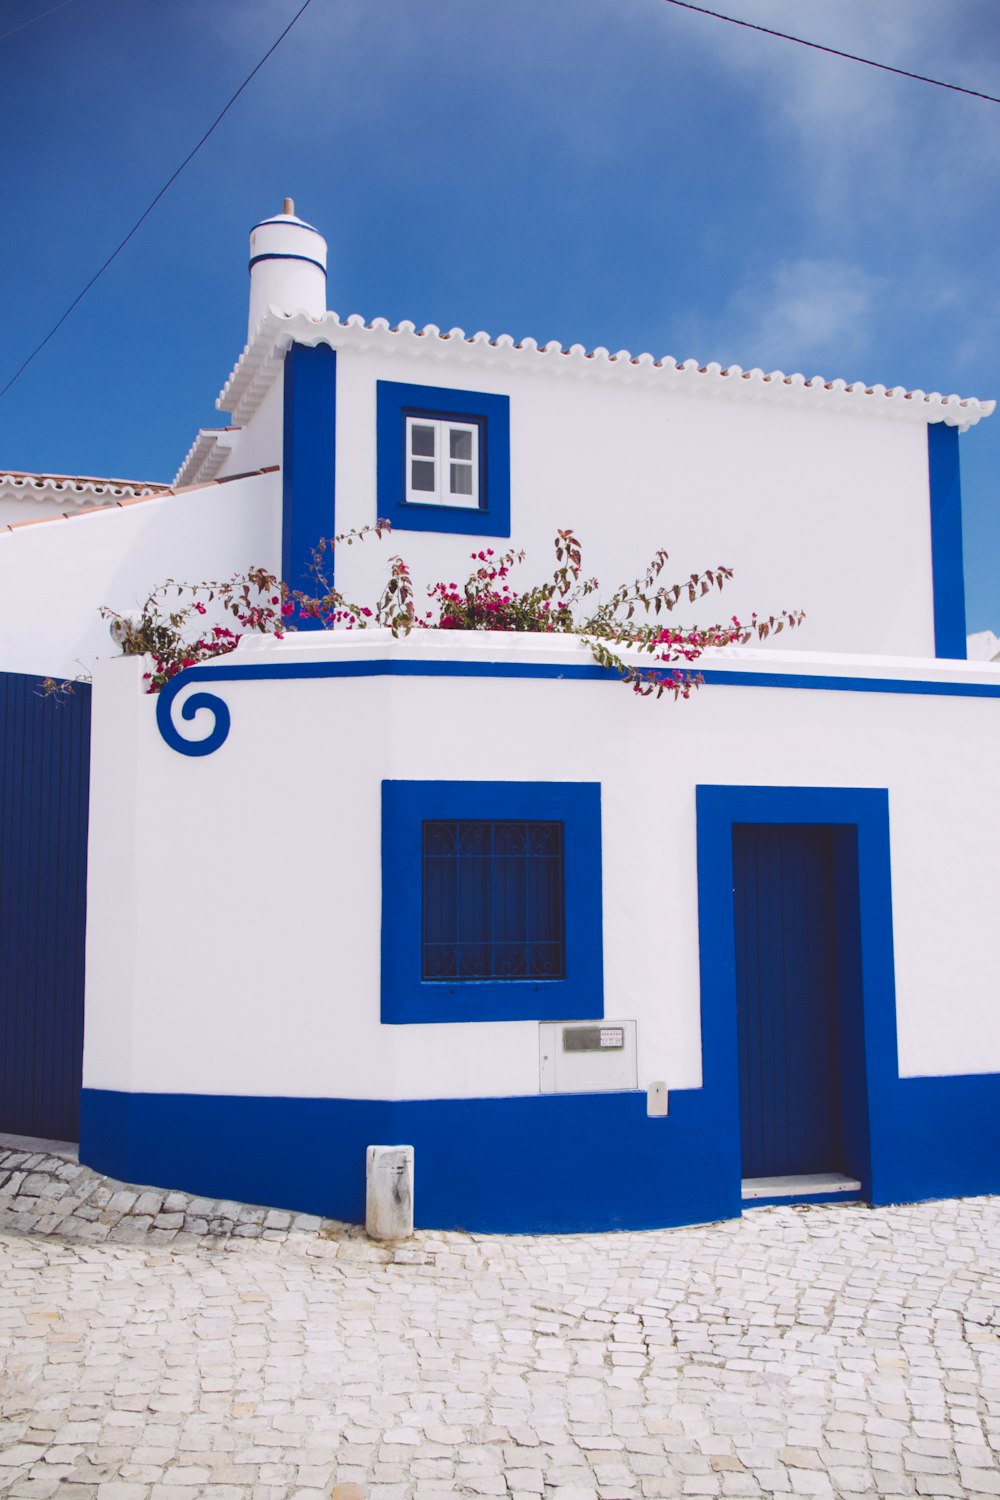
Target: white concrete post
389 1198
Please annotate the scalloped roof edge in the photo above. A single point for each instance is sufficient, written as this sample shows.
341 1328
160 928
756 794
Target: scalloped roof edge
76 487
157 492
256 368
206 455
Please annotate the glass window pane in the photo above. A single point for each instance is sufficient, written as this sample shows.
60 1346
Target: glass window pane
422 475
461 479
461 443
421 440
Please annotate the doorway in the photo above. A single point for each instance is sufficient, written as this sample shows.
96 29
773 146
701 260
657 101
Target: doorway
787 1000
797 988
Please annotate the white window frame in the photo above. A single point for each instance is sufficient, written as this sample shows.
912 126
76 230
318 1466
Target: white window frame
442 461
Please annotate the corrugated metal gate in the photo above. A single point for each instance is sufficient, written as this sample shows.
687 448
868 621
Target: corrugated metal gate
44 780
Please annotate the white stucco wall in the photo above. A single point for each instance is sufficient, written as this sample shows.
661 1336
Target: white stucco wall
816 506
235 900
55 576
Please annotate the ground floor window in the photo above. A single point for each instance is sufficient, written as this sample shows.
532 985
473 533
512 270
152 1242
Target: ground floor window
491 901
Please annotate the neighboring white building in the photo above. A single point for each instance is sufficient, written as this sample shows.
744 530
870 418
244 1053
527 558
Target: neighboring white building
35 497
599 960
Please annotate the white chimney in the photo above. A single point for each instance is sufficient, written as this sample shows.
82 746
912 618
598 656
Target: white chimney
287 267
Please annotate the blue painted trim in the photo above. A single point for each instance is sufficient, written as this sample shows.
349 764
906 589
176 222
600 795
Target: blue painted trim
406 998
946 541
309 464
287 223
264 671
275 256
902 685
211 703
869 1067
395 402
541 1164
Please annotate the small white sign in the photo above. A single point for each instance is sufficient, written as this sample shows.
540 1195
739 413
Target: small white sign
612 1036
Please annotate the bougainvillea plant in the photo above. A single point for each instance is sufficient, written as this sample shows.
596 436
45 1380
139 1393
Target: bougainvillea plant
179 637
631 619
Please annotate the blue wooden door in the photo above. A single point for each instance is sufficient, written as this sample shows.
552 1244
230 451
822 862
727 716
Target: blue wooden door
44 782
787 999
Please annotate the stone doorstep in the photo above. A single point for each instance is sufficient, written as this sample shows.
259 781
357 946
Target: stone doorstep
798 1187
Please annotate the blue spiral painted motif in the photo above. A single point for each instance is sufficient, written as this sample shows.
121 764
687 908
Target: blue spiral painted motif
197 701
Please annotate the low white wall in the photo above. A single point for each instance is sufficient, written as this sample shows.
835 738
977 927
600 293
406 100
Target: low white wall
55 576
235 899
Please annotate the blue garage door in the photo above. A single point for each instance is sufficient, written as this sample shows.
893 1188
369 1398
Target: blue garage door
44 778
786 952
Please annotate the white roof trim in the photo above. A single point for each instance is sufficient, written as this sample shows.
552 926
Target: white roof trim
261 359
205 456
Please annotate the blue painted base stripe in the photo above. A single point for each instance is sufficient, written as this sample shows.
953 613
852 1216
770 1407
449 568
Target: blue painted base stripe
939 1138
543 1164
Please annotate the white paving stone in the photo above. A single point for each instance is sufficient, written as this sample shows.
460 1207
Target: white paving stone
155 1346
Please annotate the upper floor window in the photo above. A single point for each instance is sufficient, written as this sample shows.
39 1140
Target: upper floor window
442 462
443 459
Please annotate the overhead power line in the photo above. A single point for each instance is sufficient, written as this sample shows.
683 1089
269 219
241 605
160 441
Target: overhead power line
152 204
869 62
31 21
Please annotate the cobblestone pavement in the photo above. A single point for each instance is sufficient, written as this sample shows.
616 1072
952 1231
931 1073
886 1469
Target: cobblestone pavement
159 1347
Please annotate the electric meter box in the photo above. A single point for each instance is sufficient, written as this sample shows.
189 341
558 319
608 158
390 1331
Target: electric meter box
586 1057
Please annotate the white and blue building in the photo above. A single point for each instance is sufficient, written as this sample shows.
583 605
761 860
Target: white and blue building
602 962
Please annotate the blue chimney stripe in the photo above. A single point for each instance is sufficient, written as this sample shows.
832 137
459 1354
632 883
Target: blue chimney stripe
275 256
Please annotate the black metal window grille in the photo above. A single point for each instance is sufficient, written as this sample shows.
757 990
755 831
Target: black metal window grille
493 900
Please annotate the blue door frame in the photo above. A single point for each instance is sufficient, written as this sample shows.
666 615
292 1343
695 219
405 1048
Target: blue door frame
859 818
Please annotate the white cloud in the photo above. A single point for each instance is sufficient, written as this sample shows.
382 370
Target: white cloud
805 314
865 139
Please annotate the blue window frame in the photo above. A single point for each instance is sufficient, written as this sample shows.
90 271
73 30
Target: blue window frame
477 415
491 901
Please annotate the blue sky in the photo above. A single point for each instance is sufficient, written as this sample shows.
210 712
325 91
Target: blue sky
613 172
